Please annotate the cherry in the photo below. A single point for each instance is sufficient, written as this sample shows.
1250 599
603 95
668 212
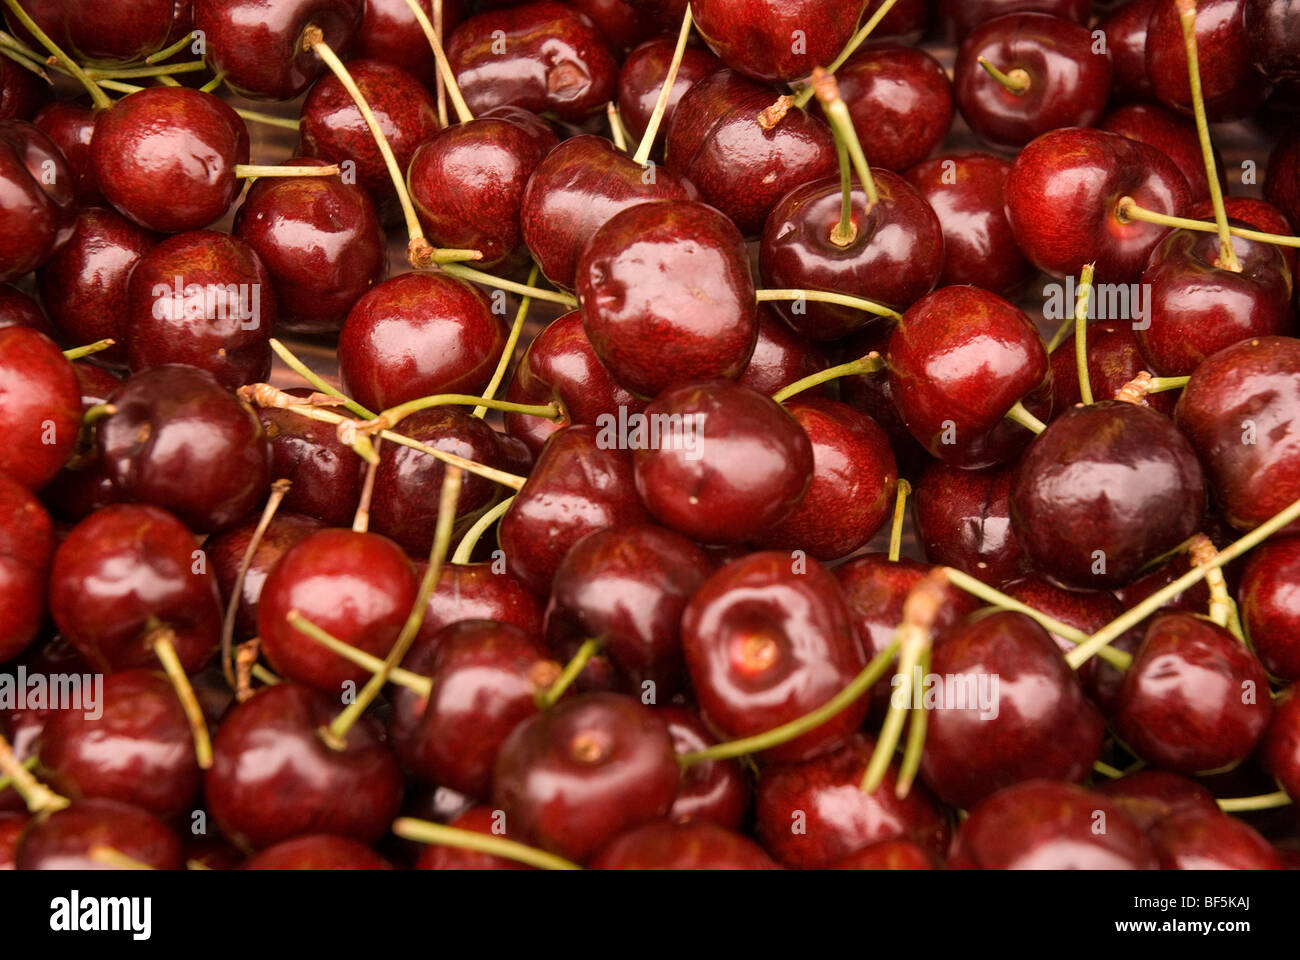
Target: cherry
682 846
1171 134
544 57
258 46
71 838
642 76
1280 750
958 361
965 191
1233 88
17 309
1043 825
575 777
963 520
1052 78
1259 214
1209 840
42 404
480 819
1268 611
907 18
1194 599
739 167
467 182
963 16
1272 28
1194 699
672 273
122 572
20 95
274 778
390 32
480 591
887 855
318 851
768 639
622 25
715 791
26 546
12 825
578 485
894 257
872 393
178 440
325 474
1282 176
839 817
357 586
72 126
727 463
1080 513
1040 724
1063 197
165 157
1114 359
754 36
1125 28
417 335
780 356
101 34
1150 796
37 206
226 553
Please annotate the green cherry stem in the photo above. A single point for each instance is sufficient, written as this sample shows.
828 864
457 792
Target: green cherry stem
361 518
25 62
523 290
465 549
837 113
827 296
665 90
97 95
423 831
6 781
871 363
317 381
165 650
132 73
278 490
1106 770
901 494
366 661
35 794
1081 332
915 746
1022 416
77 353
616 131
249 171
166 53
508 351
1223 609
845 230
850 48
445 73
1265 801
551 695
1128 209
395 415
1015 81
212 85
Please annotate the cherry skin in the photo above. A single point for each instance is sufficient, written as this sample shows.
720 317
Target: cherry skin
482 819
1210 840
138 750
389 31
840 817
1075 494
1280 750
20 95
226 553
42 406
1268 611
682 846
1068 82
965 191
1041 825
179 440
72 126
642 76
1259 215
573 778
480 591
675 274
1282 176
716 791
1043 727
318 851
1194 699
1233 88
12 825
740 168
1272 28
274 778
544 57
895 256
467 182
727 463
958 361
1114 359
1125 28
66 839
17 309
123 570
26 547
622 25
417 335
753 36
853 481
906 19
257 45
357 586
766 644
325 474
1062 196
781 357
873 394
1171 134
1149 796
37 207
963 16
963 520
101 33
165 158
887 855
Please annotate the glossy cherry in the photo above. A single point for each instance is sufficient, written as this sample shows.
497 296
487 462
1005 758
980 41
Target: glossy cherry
37 206
1149 796
1171 134
1268 610
17 309
20 93
716 791
781 356
1125 28
623 25
481 819
389 31
226 553
682 846
67 839
963 16
72 126
1114 359
26 547
1232 87
325 474
99 33
42 406
1282 177
480 591
963 520
754 36
900 100
642 76
1280 750
1272 29
1209 840
318 851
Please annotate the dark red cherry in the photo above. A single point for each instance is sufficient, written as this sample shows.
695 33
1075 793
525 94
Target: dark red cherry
544 57
1259 215
179 440
718 462
20 93
17 309
963 16
642 76
26 547
873 395
37 207
963 520
1014 712
958 361
965 192
357 586
715 142
622 24
683 846
1194 699
274 778
1272 30
1195 599
573 778
1282 176
1114 359
900 100
1173 135
1149 796
1125 28
1210 840
812 814
579 484
389 31
907 18
480 591
257 45
674 274
467 182
780 356
1280 751
102 34
12 825
72 126
69 839
325 474
1232 87
318 851
768 639
887 855
123 571
1043 825
226 553
716 791
895 257
1268 609
41 401
761 38
417 335
165 157
482 819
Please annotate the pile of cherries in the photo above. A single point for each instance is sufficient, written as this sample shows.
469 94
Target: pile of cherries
576 562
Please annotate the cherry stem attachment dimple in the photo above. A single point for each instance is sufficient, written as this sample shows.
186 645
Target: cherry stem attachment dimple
424 831
1081 332
901 493
508 351
1265 801
1128 209
871 363
578 662
38 797
1021 415
421 685
845 230
97 95
278 490
850 48
161 643
445 74
665 91
78 353
841 122
1015 81
465 549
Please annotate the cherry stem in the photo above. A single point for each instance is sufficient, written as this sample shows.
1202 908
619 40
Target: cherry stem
423 831
23 61
264 675
395 415
1140 387
1015 81
445 75
1021 415
97 95
845 230
871 363
248 171
1064 330
38 797
616 131
827 296
514 481
1265 801
403 678
317 381
990 595
901 494
253 116
661 105
77 353
1131 618
173 82
1128 209
487 279
96 413
165 651
1162 384
6 781
837 112
131 73
550 696
508 351
1222 609
1187 18
168 52
448 498
1081 332
361 519
278 490
850 48
1106 770
211 85
919 721
465 549
246 655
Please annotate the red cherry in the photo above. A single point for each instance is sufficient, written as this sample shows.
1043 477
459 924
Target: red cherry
318 851
1268 611
325 474
26 547
1233 88
1173 135
37 206
1150 796
390 32
67 839
72 127
1209 840
716 791
682 846
1125 28
1280 750
1114 359
642 76
480 591
226 552
754 36
42 406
